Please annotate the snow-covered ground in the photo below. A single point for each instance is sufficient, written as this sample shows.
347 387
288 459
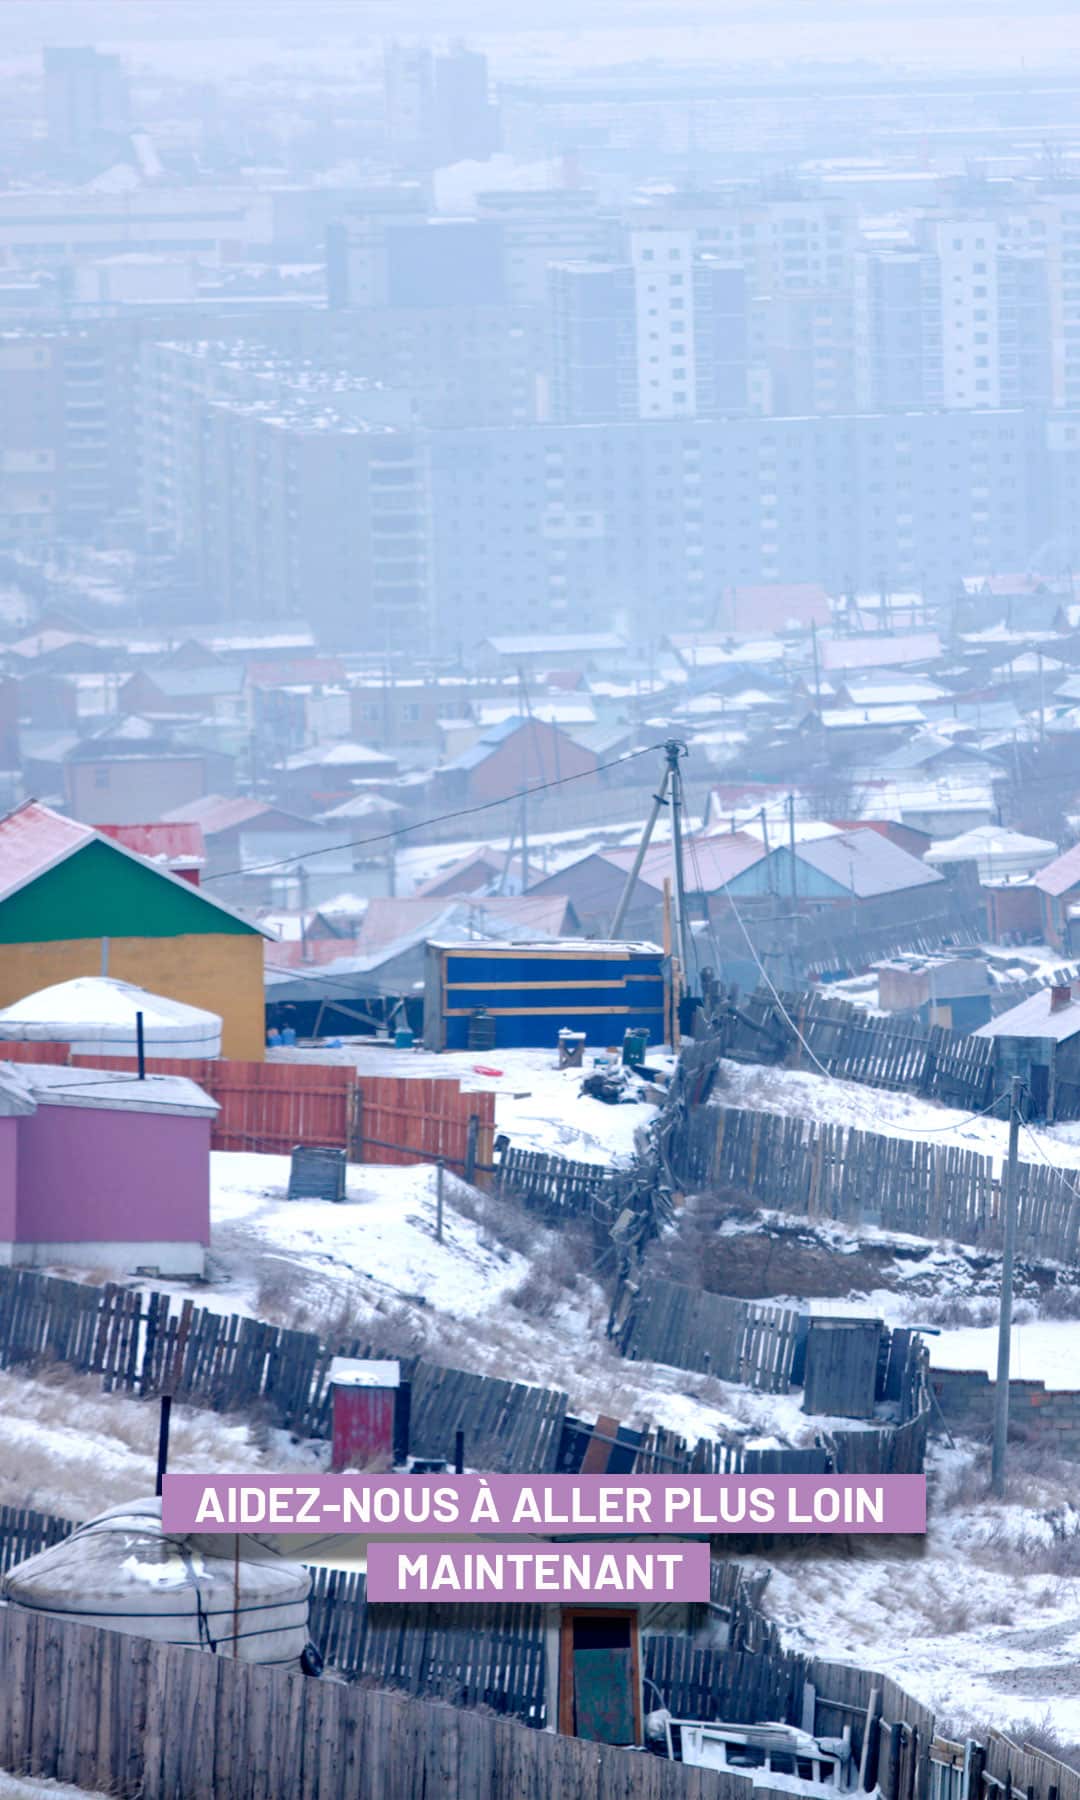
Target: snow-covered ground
981 1621
67 1448
35 1787
807 1094
1041 1349
539 1106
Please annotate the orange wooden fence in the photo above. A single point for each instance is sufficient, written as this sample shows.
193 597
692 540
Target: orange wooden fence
269 1107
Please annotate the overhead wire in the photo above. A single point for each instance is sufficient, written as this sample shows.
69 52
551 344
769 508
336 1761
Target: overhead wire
461 812
894 1125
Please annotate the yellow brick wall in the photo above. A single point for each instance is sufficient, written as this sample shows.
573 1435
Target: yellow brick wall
222 973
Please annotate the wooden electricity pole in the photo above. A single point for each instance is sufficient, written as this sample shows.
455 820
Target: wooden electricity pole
1001 1387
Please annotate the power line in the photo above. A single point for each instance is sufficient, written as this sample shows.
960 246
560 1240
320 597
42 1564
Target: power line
894 1125
462 812
1053 1167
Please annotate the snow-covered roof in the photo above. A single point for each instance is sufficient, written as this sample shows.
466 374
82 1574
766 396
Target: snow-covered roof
561 644
849 718
992 842
50 1084
1060 875
96 1016
336 756
879 650
1036 1017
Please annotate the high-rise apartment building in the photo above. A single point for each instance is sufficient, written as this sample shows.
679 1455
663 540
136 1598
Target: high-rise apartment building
960 321
85 94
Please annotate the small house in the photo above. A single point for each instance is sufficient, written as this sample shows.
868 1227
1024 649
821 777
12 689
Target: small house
511 756
940 990
102 1170
507 995
1058 883
1039 1040
75 902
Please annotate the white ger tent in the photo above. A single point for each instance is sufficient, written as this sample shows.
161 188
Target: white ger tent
96 1015
123 1572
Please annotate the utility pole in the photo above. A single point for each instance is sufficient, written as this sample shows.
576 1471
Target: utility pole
524 839
302 877
1001 1387
673 750
659 800
817 666
791 847
1042 702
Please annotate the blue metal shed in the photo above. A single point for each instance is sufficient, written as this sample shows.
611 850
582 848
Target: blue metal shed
532 990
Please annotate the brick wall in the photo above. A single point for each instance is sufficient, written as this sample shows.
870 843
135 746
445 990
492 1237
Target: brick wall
1050 1417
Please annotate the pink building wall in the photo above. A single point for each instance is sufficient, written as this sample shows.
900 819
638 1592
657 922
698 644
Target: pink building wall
89 1175
9 1141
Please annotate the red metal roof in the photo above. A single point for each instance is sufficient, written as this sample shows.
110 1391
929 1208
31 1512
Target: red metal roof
34 839
179 845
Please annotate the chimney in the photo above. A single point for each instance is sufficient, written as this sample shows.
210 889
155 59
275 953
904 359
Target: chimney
1060 998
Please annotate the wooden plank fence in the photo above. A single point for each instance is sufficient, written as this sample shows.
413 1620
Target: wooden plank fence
149 1344
830 1171
743 1341
127 1716
557 1187
113 1711
897 1052
689 1328
271 1107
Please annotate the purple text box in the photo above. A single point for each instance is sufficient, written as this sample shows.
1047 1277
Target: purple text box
496 1570
545 1505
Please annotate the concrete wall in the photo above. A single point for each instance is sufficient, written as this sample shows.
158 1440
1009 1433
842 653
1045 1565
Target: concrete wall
1048 1417
223 973
94 1177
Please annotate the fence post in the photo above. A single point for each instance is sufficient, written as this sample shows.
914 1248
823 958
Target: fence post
472 1134
440 1170
355 1146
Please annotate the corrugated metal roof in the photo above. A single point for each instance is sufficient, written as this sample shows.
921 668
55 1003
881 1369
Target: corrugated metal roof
866 864
34 839
1034 1019
387 920
1060 875
218 812
178 844
708 863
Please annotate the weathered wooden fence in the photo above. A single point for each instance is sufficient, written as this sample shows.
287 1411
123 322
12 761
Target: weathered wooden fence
737 1340
128 1716
557 1187
149 1344
119 1713
818 1030
765 1346
829 1171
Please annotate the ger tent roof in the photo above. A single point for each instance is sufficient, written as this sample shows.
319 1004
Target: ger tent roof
96 1014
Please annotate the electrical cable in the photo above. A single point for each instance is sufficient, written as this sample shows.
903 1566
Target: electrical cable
1053 1167
895 1126
461 812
